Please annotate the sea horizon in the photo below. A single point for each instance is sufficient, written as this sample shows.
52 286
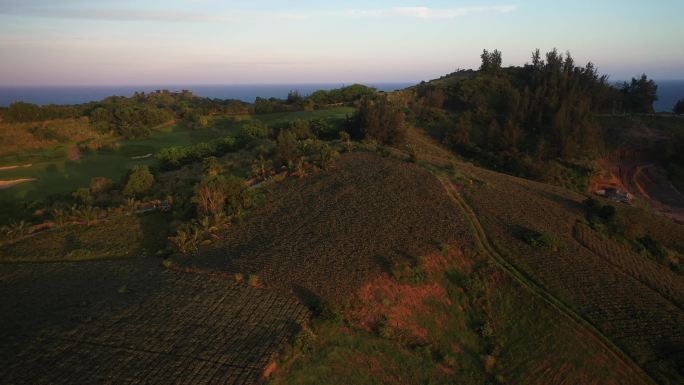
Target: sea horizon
669 91
44 95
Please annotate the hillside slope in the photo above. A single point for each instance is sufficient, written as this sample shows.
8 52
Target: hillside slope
633 300
130 321
427 269
330 232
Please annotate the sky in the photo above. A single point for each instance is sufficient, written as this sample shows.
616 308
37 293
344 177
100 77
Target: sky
91 42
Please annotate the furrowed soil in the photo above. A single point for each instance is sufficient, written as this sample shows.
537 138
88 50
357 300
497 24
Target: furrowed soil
631 300
578 310
129 321
323 236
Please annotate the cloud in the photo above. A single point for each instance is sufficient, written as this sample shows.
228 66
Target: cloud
430 13
112 14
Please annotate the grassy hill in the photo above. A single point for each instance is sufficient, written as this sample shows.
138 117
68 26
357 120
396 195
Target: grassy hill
436 271
328 233
521 296
384 264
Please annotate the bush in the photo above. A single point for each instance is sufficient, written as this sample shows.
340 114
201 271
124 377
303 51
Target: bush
412 151
187 241
600 214
379 119
175 157
253 280
328 155
679 107
83 196
218 194
652 247
140 180
100 184
535 238
287 147
253 130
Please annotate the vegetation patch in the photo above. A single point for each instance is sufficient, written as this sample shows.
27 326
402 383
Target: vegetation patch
125 236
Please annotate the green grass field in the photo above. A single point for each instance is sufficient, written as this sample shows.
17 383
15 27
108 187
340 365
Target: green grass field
55 174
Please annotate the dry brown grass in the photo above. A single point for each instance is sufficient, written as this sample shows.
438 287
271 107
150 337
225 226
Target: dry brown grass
22 138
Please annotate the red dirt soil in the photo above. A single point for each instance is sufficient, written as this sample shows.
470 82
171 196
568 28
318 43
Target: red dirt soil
385 301
635 171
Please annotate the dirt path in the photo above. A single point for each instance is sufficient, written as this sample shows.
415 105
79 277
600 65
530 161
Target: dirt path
484 243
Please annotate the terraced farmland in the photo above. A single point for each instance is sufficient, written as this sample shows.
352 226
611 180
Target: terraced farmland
127 322
642 321
323 236
651 273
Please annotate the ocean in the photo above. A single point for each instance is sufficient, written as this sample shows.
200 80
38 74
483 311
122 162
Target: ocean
669 92
247 93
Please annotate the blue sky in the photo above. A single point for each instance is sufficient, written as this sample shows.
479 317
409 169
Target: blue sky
79 42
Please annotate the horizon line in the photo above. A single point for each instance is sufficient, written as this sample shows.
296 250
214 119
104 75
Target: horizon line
342 83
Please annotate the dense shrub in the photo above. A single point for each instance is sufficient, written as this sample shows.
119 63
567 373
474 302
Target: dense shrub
219 195
379 119
347 94
140 180
28 112
287 147
639 95
270 105
175 157
679 107
128 118
253 130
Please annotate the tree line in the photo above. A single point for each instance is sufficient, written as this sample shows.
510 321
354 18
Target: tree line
135 116
519 119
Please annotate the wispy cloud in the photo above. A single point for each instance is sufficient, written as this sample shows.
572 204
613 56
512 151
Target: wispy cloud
430 13
144 15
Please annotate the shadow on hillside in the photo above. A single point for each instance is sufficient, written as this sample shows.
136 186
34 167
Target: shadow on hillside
308 298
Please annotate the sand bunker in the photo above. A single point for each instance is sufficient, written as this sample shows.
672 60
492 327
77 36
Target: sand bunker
15 167
142 156
9 183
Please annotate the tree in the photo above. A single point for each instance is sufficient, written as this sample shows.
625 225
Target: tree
140 180
287 147
294 97
379 119
346 139
640 94
219 194
491 61
327 156
210 196
22 112
253 130
679 107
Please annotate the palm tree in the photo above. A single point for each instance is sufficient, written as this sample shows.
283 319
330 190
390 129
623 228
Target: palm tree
16 229
60 217
131 206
